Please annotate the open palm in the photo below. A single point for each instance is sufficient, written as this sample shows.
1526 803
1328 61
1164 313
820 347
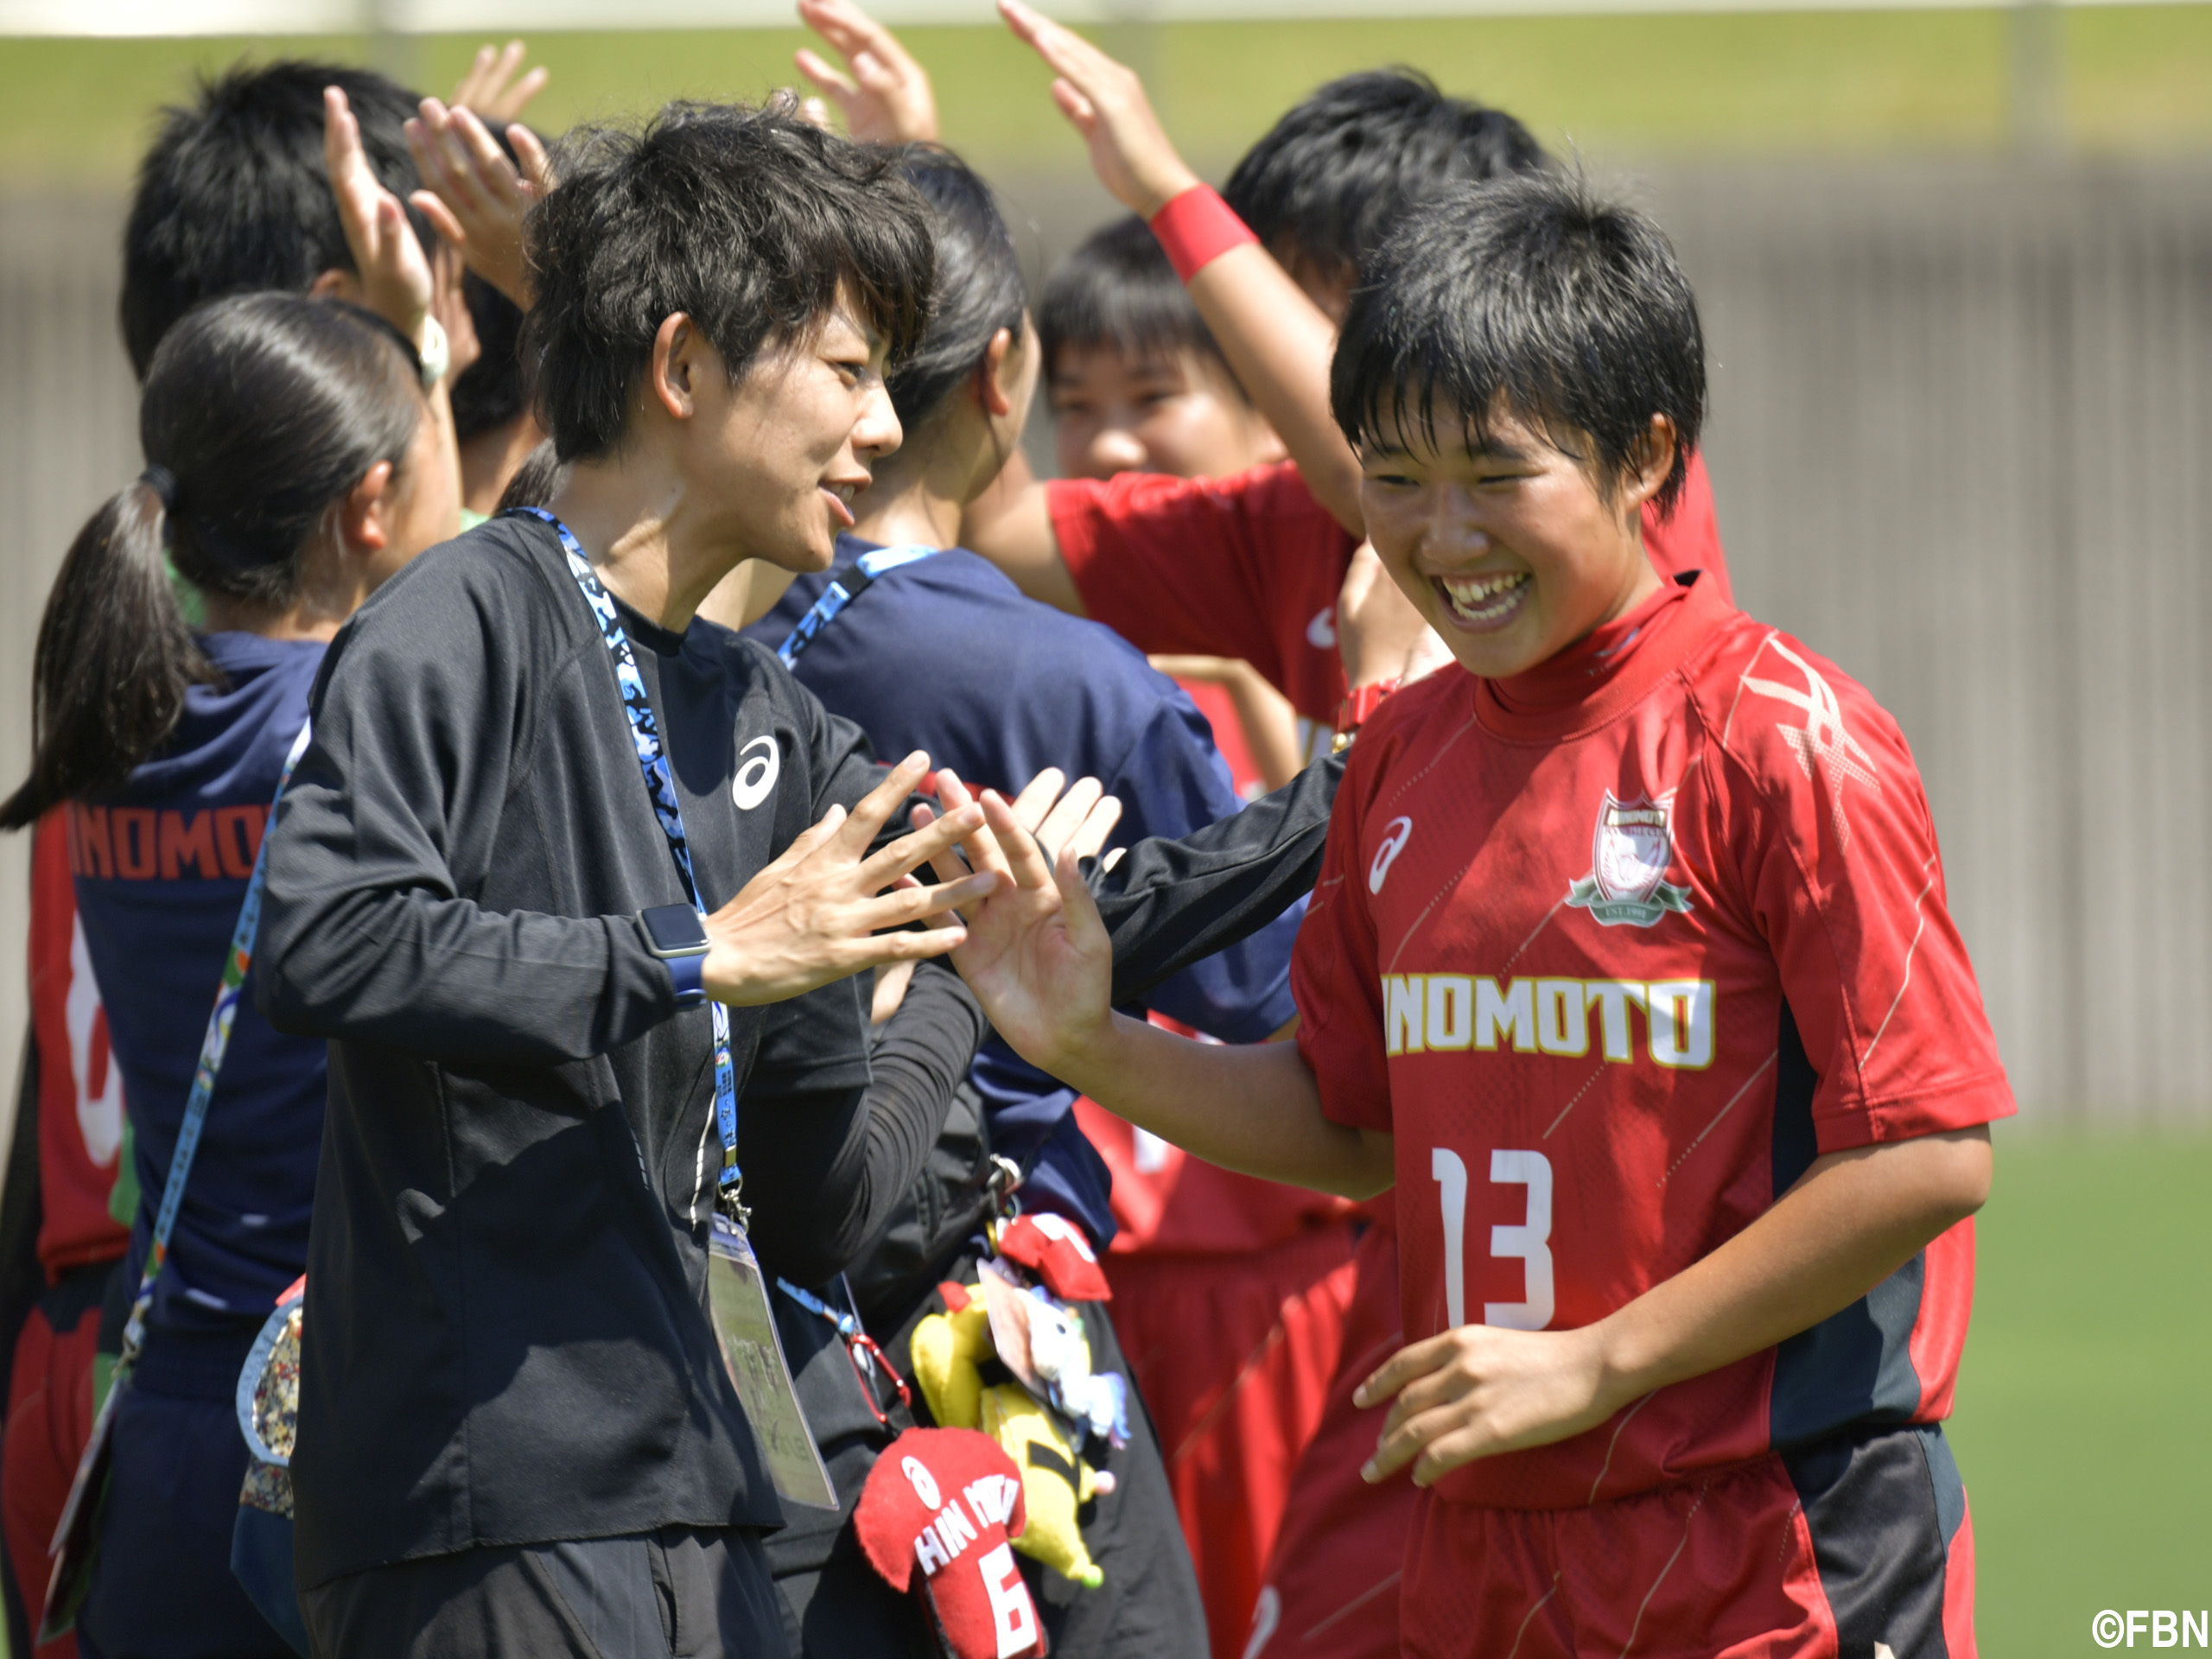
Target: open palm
1038 954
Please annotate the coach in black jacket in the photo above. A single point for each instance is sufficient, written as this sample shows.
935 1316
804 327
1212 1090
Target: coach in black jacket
515 1433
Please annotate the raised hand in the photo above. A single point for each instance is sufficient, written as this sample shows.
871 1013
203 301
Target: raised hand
885 95
1106 101
489 86
816 914
475 196
394 272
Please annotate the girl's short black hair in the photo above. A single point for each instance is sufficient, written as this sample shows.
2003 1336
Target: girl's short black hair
977 288
748 221
1335 175
1117 291
1535 295
232 196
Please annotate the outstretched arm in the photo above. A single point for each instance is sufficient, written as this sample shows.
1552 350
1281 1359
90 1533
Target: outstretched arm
1850 1221
1277 341
1040 960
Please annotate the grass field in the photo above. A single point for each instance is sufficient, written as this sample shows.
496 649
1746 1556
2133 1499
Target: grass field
2081 1423
75 112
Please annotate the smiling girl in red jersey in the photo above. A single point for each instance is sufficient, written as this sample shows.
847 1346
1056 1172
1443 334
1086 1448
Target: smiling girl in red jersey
1630 970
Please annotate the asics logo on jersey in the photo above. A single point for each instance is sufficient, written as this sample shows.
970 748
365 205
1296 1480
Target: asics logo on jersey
1321 632
1821 744
1448 1013
1629 856
1395 835
755 777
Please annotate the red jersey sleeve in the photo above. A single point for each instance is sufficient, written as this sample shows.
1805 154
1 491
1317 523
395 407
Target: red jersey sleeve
1199 564
1689 538
1827 826
1333 972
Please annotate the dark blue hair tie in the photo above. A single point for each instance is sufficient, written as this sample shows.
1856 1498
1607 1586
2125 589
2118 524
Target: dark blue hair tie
162 483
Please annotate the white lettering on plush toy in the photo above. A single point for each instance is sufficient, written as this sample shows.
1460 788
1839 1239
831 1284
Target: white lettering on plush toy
955 1528
992 1498
923 1482
930 1552
1013 1615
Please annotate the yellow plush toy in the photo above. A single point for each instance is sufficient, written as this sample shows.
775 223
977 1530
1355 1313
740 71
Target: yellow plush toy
948 1349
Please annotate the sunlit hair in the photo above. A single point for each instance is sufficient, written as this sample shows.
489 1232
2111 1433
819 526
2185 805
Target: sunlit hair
1532 295
750 221
1333 177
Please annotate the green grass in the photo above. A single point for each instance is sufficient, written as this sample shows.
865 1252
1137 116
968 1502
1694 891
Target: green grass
2081 1424
76 111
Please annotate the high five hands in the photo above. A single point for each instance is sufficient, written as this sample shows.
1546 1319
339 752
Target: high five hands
391 272
472 192
1106 102
1036 953
883 94
818 912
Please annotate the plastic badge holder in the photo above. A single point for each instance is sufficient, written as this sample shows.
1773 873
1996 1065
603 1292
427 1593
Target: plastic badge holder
745 1329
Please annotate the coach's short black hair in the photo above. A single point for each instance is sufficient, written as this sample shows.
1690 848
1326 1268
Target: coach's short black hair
1535 295
1117 291
748 221
1333 177
233 197
977 288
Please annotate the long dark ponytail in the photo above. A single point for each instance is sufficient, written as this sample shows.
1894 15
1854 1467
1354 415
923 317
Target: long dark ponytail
260 413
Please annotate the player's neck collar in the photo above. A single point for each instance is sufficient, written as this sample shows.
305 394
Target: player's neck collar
1598 678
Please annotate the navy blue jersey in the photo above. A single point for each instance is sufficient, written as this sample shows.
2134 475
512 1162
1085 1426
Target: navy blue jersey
945 654
160 867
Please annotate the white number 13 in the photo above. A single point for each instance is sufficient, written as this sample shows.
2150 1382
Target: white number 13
1529 1242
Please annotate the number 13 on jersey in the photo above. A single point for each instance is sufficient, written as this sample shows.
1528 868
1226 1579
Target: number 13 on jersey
1529 1242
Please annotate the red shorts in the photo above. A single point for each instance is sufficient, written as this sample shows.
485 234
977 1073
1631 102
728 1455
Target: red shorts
1332 1588
1855 1546
49 1420
1234 1355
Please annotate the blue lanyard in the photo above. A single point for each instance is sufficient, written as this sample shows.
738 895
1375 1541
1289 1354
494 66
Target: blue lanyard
213 1047
660 786
846 586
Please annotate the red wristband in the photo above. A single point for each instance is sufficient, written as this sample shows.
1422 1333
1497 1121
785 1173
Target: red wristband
1196 228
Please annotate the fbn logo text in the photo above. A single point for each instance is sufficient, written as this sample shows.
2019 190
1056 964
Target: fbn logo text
1427 1012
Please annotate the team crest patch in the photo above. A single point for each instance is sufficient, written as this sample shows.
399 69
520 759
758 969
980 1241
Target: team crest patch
1629 856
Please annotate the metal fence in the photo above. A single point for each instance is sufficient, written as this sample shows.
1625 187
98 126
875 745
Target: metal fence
1961 420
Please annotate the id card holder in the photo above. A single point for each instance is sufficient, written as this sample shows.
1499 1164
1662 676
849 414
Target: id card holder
76 1540
744 1330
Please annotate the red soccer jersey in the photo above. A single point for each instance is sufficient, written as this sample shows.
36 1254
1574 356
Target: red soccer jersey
80 1087
1250 566
1616 949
